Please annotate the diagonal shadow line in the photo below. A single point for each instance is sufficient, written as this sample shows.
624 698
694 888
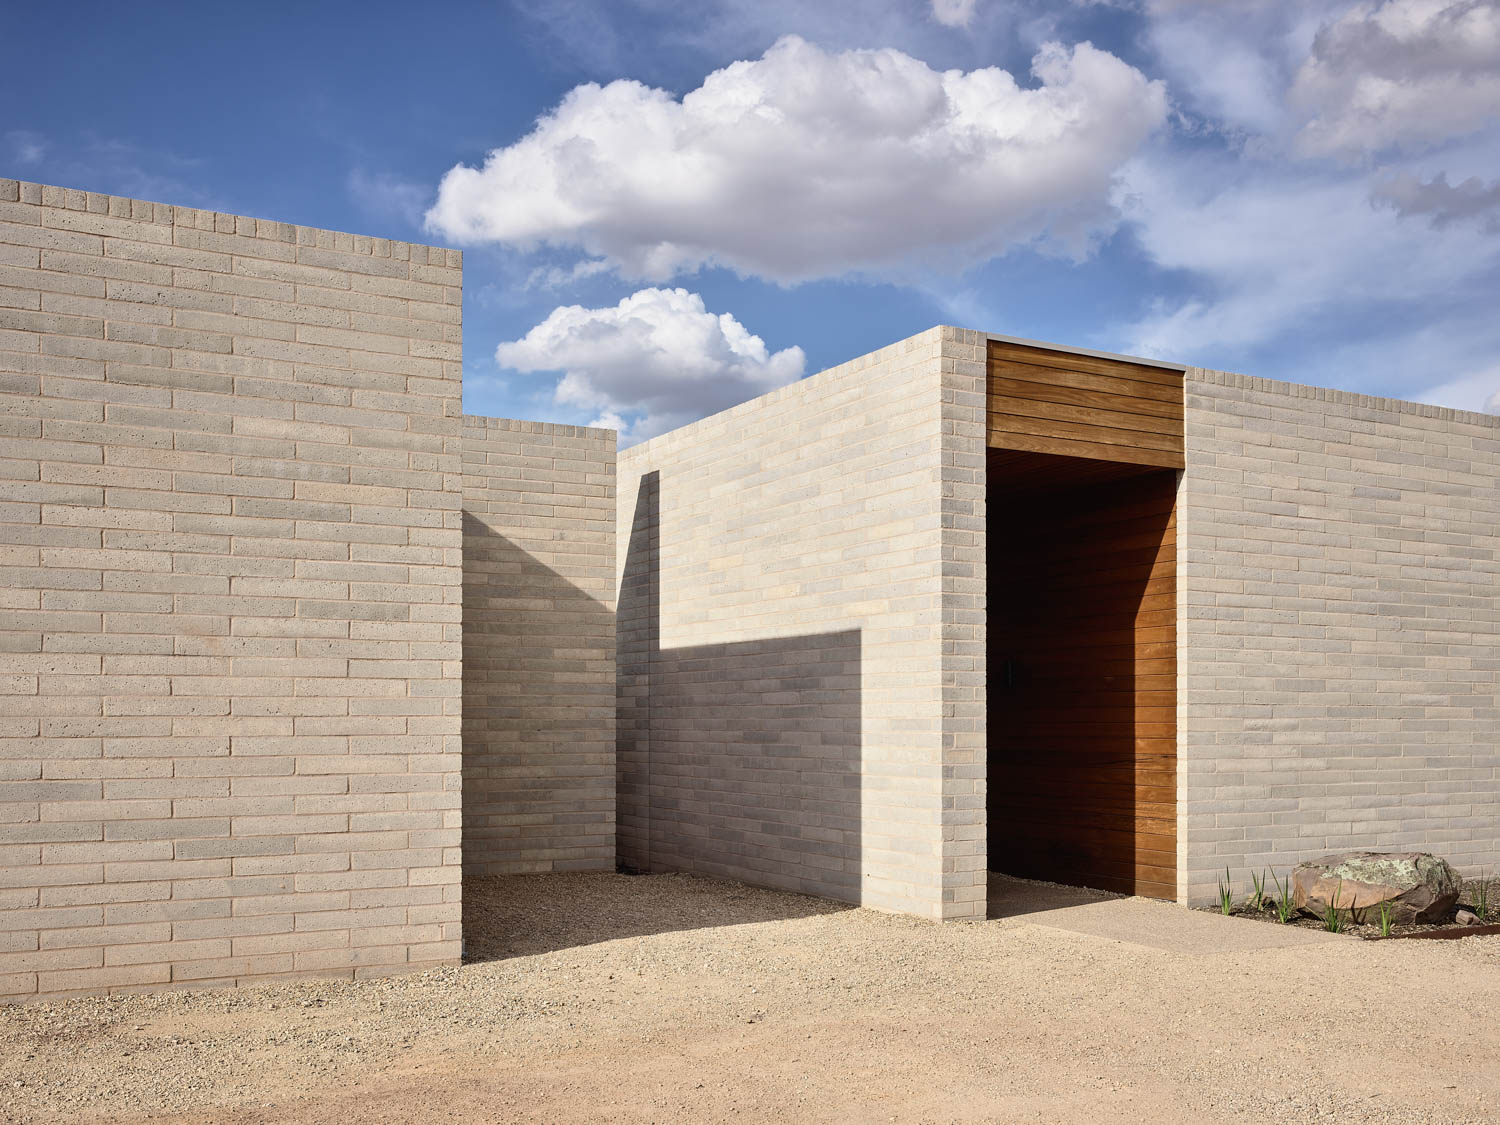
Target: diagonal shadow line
741 760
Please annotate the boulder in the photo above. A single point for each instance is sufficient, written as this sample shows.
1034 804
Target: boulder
1420 887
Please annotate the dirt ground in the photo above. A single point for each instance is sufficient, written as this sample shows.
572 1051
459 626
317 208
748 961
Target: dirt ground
671 998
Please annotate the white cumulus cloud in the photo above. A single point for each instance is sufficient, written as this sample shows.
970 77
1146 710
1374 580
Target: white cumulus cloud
805 164
953 13
657 360
1400 75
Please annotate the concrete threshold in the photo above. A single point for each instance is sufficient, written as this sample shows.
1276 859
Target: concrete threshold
1140 921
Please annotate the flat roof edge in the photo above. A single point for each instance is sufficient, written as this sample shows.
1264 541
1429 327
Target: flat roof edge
532 426
1094 353
1308 391
63 198
1312 392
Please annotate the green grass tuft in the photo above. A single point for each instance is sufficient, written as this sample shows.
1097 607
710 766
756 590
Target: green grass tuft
1479 898
1334 916
1226 894
1283 901
1258 897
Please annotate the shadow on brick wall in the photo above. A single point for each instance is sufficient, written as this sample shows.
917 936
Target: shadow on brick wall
740 760
538 699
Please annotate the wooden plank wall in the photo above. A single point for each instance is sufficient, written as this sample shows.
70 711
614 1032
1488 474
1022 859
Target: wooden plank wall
1082 679
1081 406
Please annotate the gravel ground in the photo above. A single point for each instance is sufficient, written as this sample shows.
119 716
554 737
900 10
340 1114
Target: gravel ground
675 998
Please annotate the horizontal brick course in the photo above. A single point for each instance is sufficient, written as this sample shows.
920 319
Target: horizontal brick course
539 647
795 673
226 467
1339 622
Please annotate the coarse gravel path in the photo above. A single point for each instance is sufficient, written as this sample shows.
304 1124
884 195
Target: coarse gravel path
672 998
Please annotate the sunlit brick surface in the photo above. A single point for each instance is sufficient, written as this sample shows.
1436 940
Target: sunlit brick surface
1340 630
229 597
801 636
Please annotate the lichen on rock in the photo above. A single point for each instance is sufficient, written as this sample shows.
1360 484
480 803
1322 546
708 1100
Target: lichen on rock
1419 886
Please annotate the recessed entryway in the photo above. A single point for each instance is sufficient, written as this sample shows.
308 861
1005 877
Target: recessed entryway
1082 684
1082 631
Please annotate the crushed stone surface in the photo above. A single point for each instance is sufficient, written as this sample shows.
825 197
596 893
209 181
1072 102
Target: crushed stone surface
670 998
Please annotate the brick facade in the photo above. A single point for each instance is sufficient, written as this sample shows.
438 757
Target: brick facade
1339 630
965 621
229 597
790 713
254 563
539 647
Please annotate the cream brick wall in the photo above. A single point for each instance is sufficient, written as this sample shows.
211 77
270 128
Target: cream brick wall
229 598
965 403
1340 632
539 647
801 636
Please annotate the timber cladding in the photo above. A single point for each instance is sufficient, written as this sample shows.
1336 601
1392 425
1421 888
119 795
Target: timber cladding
1083 699
1082 713
1073 405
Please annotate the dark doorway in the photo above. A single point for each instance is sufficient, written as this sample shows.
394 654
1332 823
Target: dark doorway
1082 672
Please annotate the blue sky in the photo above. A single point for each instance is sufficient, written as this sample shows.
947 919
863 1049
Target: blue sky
669 207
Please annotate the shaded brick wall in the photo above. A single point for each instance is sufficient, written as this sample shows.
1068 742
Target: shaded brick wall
801 636
1340 629
963 483
229 597
539 647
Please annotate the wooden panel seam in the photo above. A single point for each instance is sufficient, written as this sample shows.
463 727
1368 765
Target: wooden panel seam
1084 407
